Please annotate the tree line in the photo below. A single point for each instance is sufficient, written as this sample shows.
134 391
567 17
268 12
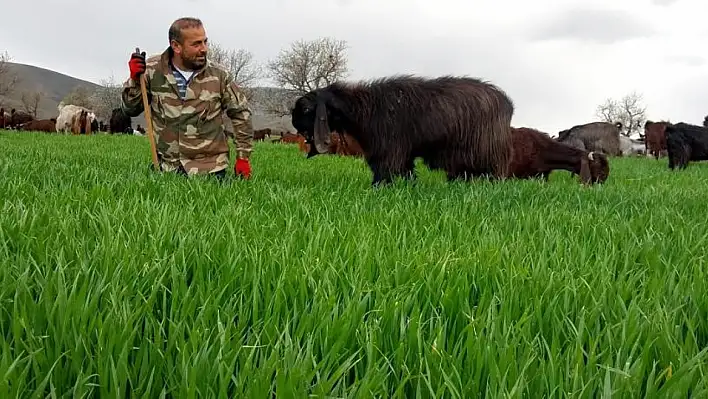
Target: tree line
303 66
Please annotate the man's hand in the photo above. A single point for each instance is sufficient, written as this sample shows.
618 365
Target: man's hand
137 65
242 168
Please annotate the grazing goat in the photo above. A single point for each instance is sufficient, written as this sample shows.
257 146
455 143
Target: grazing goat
345 145
120 122
260 134
459 124
67 121
81 123
17 119
40 125
289 138
655 138
536 154
339 144
292 138
684 143
595 136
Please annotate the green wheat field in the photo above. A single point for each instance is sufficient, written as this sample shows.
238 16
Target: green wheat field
116 281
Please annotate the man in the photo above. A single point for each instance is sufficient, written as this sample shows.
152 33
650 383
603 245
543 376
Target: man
188 95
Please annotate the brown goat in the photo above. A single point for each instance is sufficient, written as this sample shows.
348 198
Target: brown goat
348 147
535 154
290 138
76 123
41 125
80 123
655 138
345 145
260 134
87 124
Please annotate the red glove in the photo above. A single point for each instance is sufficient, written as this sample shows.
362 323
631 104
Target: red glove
137 65
242 168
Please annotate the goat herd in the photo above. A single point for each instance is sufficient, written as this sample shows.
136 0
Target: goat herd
71 119
460 125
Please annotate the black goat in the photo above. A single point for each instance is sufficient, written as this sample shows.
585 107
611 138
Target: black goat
684 143
459 124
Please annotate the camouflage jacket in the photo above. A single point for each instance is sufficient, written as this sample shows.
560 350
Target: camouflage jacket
190 132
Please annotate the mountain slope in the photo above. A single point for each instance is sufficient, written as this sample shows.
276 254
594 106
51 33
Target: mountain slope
54 85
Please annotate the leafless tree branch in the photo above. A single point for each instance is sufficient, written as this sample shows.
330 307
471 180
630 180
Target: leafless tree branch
277 102
106 98
30 102
303 67
629 110
241 64
8 79
79 96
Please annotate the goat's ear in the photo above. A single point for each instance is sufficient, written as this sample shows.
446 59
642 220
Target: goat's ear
321 133
585 175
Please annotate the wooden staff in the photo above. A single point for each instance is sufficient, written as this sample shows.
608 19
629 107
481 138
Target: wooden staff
148 116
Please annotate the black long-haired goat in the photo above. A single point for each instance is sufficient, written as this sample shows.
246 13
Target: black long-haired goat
459 124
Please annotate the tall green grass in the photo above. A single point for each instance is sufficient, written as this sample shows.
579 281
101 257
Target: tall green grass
304 281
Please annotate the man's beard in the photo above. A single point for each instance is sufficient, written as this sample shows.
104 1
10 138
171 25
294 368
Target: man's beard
194 63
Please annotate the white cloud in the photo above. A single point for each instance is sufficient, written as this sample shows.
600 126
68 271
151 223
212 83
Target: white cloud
557 59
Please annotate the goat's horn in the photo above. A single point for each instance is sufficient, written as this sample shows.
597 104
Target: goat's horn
590 156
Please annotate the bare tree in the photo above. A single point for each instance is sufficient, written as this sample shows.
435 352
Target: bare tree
79 96
240 63
30 102
305 66
8 79
106 98
629 110
277 102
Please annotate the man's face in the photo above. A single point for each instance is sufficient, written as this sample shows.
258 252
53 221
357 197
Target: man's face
193 49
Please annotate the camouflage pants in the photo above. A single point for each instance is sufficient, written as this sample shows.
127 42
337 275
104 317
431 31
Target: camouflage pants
220 175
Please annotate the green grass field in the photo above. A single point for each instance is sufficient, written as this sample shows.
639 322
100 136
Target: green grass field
305 281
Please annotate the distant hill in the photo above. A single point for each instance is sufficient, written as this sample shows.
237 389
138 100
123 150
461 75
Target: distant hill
31 79
57 85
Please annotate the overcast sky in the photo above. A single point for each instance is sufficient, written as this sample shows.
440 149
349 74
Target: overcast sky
557 59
